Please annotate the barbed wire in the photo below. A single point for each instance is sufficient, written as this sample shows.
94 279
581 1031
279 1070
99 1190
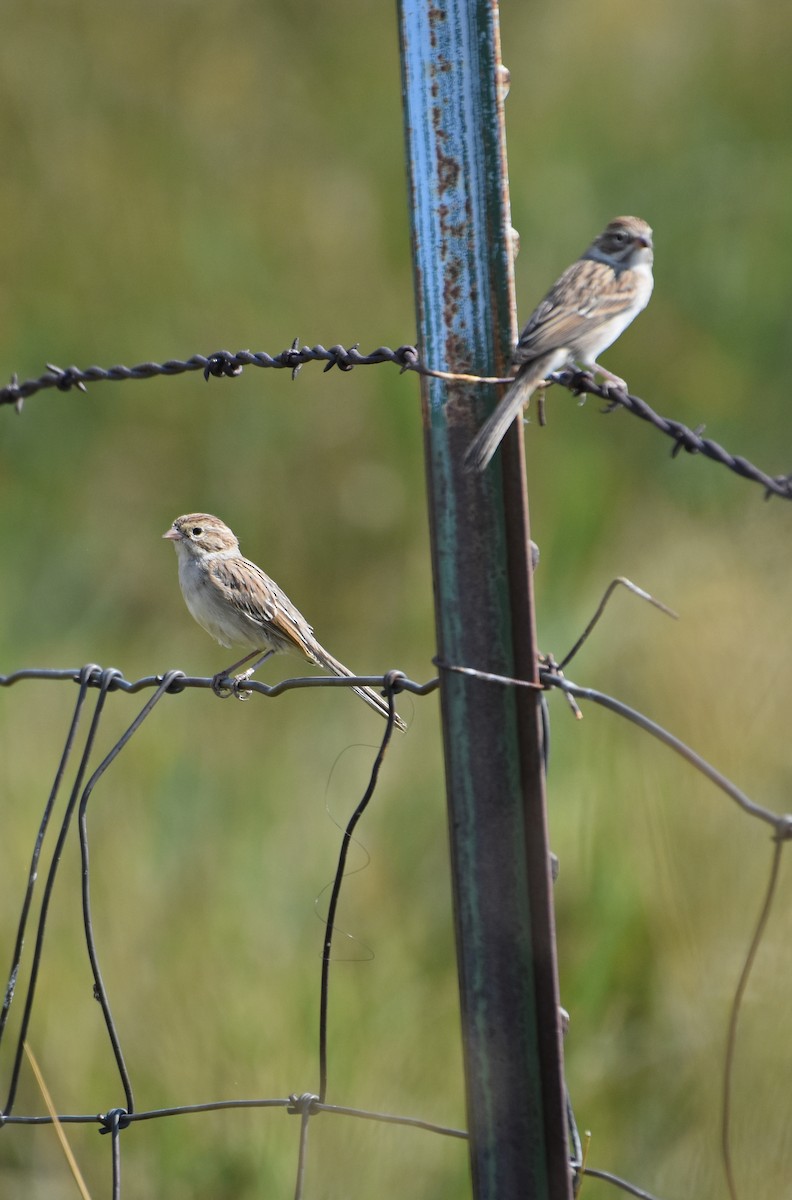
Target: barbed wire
582 383
106 681
225 364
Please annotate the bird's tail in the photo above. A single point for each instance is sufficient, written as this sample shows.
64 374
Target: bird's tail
372 698
493 431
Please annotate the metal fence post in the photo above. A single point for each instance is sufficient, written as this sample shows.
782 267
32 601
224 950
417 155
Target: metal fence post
453 109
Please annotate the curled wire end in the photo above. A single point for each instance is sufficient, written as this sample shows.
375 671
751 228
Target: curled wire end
222 364
67 379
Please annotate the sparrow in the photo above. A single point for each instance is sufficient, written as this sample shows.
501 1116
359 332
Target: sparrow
233 600
583 313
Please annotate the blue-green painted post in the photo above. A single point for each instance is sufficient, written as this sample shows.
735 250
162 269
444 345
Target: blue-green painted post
453 107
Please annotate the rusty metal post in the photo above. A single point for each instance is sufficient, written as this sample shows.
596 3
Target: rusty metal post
453 106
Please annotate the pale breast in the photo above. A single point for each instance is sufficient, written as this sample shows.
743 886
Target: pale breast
213 613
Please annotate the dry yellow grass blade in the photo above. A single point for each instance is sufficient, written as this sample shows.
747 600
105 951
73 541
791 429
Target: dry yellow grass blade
67 1150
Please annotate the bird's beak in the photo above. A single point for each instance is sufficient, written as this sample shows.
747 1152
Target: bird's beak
646 242
173 535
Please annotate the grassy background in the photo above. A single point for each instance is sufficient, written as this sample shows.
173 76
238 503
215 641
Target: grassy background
180 177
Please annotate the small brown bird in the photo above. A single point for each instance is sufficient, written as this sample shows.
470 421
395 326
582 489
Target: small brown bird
583 313
234 601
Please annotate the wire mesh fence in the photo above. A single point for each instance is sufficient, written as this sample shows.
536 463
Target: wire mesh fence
63 819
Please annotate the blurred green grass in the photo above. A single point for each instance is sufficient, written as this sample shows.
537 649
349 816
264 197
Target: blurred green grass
180 178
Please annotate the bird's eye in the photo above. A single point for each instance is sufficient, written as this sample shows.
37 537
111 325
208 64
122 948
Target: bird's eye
197 531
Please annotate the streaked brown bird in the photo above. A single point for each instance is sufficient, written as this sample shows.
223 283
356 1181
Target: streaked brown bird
233 600
583 313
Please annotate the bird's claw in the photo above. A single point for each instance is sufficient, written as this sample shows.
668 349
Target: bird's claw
239 689
235 688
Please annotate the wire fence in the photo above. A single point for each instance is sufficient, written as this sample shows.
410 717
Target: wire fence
106 682
224 364
23 976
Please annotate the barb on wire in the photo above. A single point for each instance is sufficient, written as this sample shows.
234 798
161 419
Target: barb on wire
228 364
222 363
582 383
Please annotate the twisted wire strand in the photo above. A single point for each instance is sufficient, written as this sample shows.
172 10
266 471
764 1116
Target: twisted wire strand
228 364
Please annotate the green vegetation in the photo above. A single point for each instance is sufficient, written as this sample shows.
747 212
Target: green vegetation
180 178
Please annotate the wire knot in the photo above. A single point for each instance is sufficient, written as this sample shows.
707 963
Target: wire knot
406 356
341 357
174 679
392 682
302 1105
67 379
222 364
783 828
114 1120
687 440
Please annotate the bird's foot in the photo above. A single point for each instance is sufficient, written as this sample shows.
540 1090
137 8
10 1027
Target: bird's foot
238 689
611 382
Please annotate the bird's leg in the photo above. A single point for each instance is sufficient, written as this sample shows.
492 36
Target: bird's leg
240 680
225 692
246 674
613 381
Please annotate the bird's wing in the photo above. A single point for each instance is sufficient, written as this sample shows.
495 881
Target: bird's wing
261 601
588 294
